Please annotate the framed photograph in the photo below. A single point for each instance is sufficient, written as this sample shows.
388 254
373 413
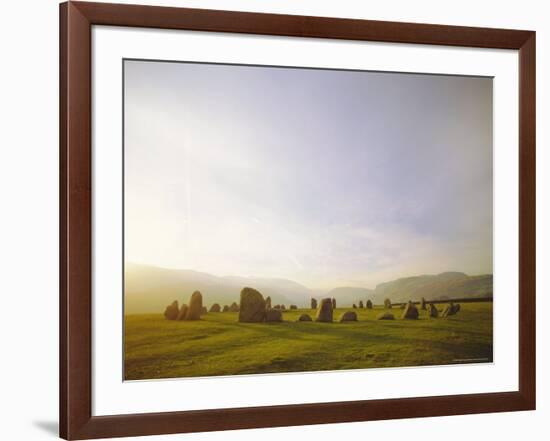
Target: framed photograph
272 220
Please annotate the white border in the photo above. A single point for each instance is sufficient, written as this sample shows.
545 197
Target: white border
113 396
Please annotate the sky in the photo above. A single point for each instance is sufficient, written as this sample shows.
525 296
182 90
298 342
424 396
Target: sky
325 177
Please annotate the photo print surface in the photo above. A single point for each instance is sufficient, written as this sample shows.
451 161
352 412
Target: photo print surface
286 219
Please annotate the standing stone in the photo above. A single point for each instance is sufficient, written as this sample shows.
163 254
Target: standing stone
215 308
204 310
369 304
293 307
385 316
423 304
361 305
434 313
324 311
354 306
183 312
313 304
225 308
277 307
171 311
268 302
387 304
234 307
410 312
333 303
283 307
304 318
273 315
348 316
194 310
449 310
252 306
457 308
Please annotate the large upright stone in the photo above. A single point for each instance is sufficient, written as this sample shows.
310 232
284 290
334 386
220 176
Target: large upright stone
369 304
234 307
225 308
304 318
252 306
410 312
361 304
204 310
293 307
324 311
434 313
423 304
268 302
333 303
387 304
354 306
215 307
313 304
194 310
171 312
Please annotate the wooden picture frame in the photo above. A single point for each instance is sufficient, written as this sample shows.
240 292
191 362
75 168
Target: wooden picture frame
76 238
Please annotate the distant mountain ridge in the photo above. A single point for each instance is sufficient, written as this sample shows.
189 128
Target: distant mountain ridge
150 289
435 287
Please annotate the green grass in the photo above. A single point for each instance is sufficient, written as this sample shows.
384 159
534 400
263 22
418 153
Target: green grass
219 345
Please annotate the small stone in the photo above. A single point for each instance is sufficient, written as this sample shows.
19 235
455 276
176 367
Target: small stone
410 312
324 311
385 316
183 312
348 316
171 311
194 310
273 315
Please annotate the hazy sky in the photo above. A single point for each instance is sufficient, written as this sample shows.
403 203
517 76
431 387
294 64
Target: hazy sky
328 178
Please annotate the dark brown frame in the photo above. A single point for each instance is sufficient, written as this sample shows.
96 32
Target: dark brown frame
76 420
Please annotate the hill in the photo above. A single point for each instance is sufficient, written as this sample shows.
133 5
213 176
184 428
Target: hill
435 287
150 289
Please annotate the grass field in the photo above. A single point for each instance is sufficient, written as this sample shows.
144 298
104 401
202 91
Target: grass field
219 345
